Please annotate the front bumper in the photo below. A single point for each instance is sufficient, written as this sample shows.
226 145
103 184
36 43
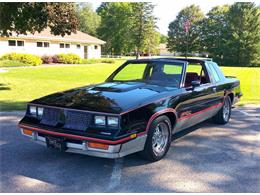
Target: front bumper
113 151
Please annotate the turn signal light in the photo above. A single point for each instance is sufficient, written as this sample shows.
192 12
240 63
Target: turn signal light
133 136
27 132
98 145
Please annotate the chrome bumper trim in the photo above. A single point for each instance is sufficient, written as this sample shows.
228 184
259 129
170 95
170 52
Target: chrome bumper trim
114 151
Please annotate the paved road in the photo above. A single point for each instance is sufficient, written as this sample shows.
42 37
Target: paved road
209 158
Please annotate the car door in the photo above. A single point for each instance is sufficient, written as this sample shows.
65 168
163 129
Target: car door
199 103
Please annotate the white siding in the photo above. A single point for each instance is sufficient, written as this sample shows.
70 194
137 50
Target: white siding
54 48
94 53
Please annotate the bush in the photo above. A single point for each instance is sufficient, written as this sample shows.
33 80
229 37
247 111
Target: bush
55 59
12 63
94 61
69 58
47 59
24 58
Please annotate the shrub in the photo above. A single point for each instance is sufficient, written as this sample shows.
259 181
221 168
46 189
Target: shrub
12 63
24 58
69 58
94 61
47 59
55 59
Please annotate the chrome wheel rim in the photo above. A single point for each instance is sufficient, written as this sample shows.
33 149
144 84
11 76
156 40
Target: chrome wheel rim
160 138
226 110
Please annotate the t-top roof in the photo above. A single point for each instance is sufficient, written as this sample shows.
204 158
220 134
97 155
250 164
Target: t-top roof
189 60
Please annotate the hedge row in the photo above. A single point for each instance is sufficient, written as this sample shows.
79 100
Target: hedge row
28 59
33 60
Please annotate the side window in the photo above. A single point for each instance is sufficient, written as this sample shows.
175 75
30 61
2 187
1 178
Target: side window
195 72
214 73
172 69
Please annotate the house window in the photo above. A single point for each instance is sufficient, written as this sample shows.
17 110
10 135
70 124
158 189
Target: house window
11 42
46 44
43 44
61 45
39 44
78 46
20 43
96 47
67 45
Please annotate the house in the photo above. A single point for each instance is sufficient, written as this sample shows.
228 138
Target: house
45 43
163 50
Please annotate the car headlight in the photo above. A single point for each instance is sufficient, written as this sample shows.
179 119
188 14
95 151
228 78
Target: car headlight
33 110
100 120
39 111
112 121
36 111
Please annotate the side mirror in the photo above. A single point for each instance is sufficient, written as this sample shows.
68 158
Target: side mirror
195 83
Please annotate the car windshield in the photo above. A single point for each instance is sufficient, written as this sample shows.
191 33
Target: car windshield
165 73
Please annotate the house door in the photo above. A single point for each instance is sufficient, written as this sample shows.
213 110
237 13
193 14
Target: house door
85 52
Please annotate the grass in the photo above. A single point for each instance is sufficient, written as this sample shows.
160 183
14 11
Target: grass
22 84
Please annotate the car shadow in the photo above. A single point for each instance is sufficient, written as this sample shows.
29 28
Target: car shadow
203 158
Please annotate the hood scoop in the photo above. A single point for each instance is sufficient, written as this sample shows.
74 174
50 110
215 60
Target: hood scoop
118 87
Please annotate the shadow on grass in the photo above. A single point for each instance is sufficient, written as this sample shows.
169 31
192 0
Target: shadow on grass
6 105
4 87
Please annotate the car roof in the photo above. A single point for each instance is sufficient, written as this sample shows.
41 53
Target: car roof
189 60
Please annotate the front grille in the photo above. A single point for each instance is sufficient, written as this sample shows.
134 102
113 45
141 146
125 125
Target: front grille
76 120
69 119
51 116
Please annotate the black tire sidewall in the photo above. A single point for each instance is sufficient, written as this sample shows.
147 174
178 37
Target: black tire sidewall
148 150
229 102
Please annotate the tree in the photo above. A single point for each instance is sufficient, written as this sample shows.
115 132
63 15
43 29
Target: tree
115 26
179 37
214 32
31 17
151 43
244 35
88 19
144 25
163 38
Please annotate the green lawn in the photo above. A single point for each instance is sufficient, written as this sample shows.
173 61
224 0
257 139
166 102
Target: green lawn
22 84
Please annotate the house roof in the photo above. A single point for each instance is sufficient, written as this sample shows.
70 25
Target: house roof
78 37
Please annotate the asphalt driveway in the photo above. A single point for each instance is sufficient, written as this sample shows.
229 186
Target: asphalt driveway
209 158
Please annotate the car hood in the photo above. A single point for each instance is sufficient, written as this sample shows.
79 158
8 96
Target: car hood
111 97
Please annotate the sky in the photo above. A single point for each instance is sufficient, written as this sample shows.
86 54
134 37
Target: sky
167 10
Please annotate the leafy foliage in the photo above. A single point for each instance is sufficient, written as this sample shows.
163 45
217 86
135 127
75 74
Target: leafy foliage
178 38
230 34
29 59
214 32
144 26
243 35
102 60
88 19
163 38
12 63
47 59
115 27
24 17
128 27
69 58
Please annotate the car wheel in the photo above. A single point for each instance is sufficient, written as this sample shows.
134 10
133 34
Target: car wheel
223 115
158 139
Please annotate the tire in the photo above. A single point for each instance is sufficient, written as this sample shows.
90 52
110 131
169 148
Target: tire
158 139
223 115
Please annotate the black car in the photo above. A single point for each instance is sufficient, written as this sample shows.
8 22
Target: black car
137 109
